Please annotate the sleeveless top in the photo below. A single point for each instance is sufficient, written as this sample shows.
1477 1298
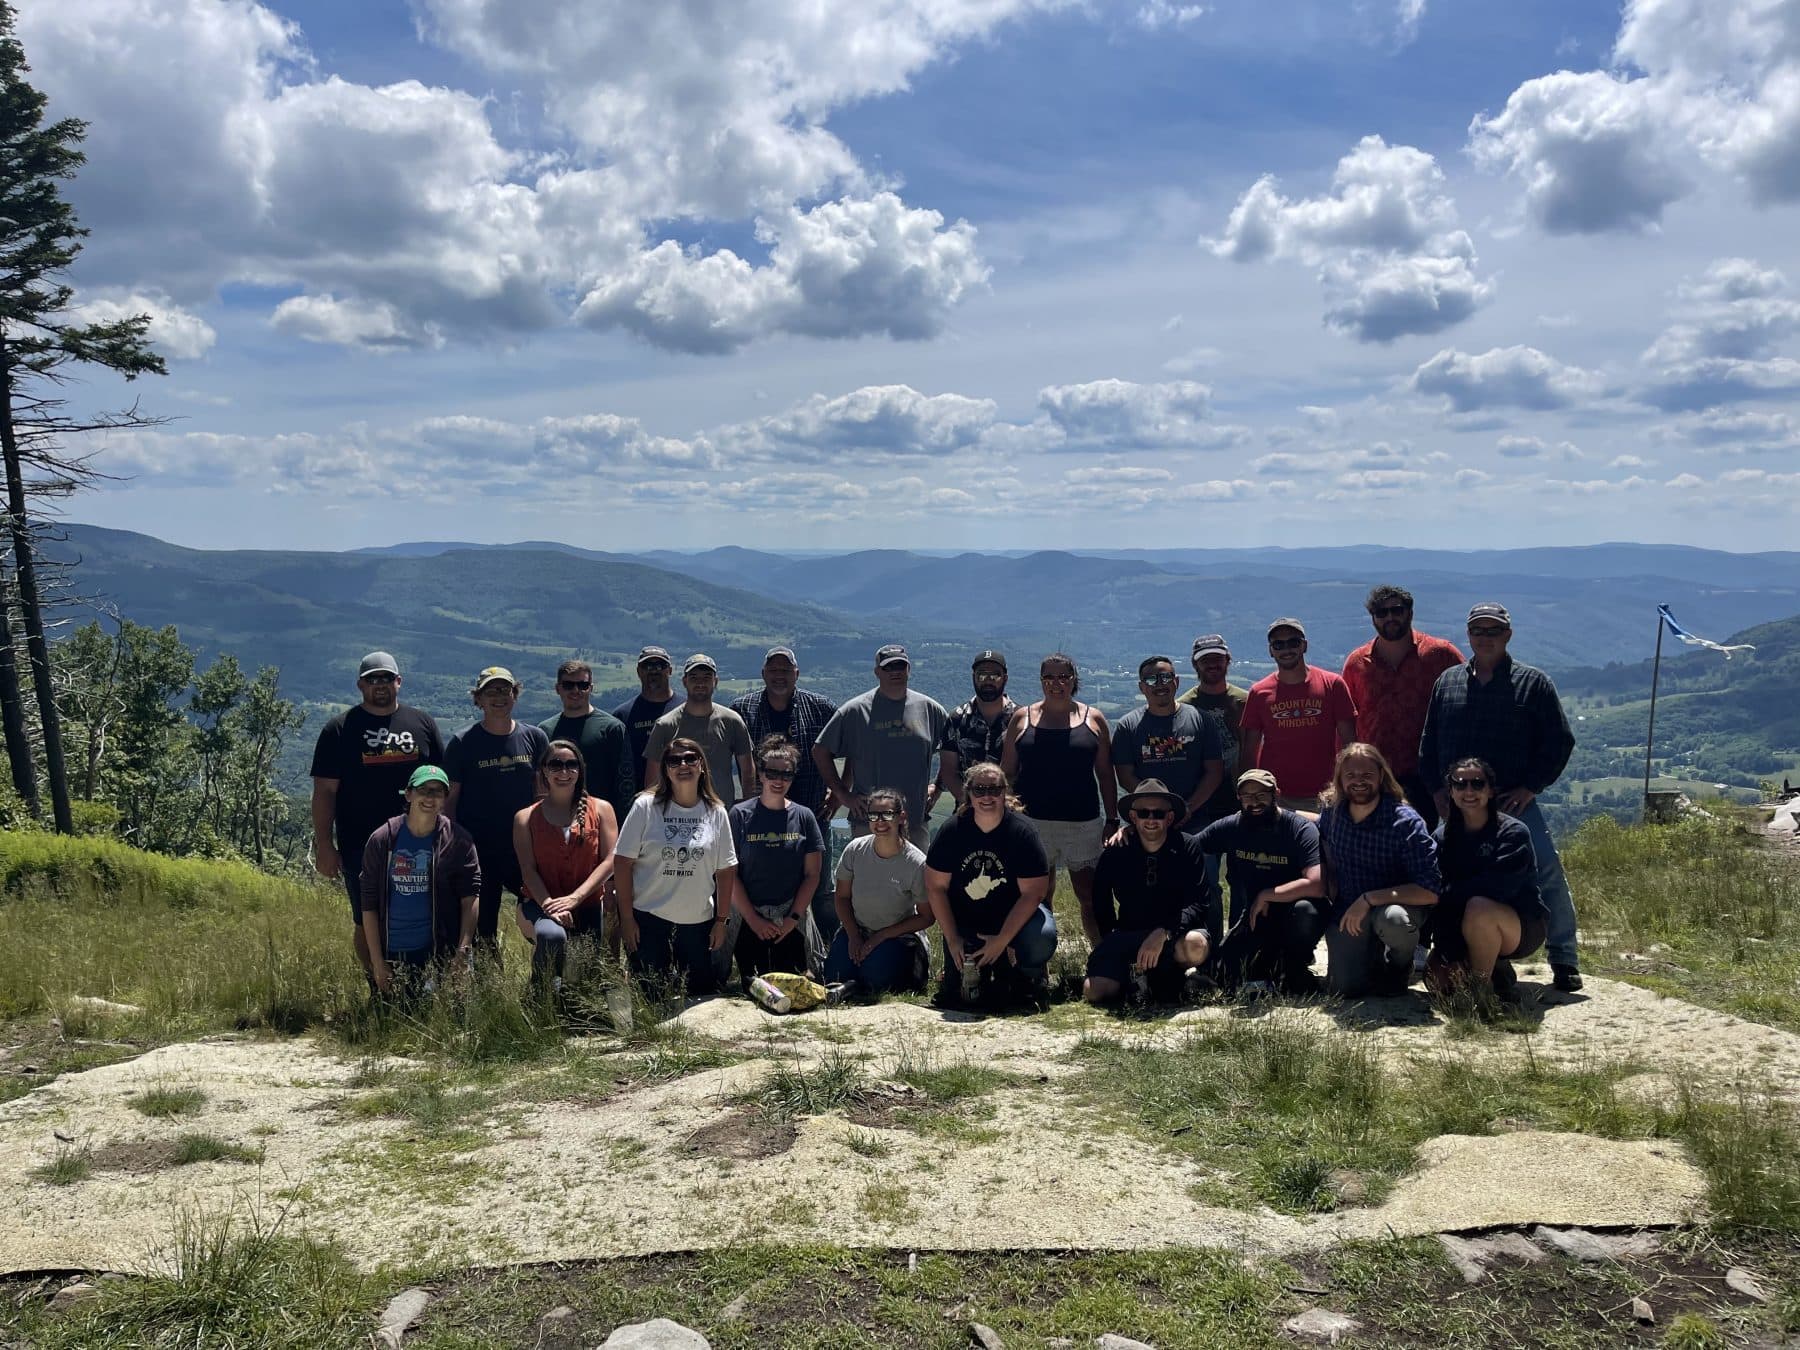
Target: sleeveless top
565 863
1056 770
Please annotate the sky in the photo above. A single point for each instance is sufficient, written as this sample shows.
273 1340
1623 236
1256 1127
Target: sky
836 274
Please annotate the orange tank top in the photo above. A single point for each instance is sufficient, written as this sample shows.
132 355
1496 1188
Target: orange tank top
565 863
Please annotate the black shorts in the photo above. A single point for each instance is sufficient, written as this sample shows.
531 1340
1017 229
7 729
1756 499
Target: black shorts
350 870
1116 954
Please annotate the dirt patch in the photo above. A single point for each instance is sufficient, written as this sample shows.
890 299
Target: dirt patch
745 1134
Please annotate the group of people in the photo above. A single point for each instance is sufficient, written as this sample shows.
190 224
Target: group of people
1390 809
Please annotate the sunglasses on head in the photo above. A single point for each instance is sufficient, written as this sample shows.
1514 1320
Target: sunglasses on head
1472 784
986 790
1150 813
684 761
574 684
562 766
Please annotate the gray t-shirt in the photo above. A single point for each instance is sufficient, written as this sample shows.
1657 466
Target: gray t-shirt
1173 747
721 733
892 743
883 891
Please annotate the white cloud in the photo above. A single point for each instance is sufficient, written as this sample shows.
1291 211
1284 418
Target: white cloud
1628 462
885 419
1118 414
1697 86
1521 447
1407 16
1722 348
1155 14
1390 257
175 333
401 219
1503 377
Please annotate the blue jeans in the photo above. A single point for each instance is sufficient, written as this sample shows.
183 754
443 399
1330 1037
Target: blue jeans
1559 944
1379 959
666 949
550 939
1033 947
892 965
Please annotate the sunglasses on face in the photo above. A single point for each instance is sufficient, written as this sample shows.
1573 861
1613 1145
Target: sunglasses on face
561 766
382 678
884 815
1159 680
1468 784
575 684
436 791
1151 815
1390 611
1284 644
655 668
776 771
682 761
986 790
1487 632
496 690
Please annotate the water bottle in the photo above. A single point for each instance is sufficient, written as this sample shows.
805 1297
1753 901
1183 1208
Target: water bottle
971 978
769 996
618 1008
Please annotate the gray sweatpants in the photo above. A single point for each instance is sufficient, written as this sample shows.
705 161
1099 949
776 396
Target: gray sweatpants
1379 959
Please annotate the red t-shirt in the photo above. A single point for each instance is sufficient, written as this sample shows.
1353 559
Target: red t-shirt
1298 723
1391 703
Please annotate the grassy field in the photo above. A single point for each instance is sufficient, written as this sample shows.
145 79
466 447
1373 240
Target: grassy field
179 949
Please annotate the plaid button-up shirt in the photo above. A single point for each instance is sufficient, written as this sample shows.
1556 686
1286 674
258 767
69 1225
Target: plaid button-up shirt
1388 847
1515 722
808 714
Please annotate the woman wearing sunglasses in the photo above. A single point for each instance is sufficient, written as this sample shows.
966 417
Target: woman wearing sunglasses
989 884
565 845
1490 913
678 842
779 850
881 906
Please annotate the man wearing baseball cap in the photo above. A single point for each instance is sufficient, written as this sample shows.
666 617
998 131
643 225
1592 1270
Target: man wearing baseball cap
1225 702
1277 888
1296 720
360 766
1509 714
719 731
655 697
976 731
889 734
493 766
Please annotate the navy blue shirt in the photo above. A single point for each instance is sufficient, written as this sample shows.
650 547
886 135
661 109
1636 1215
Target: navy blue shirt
1389 847
1515 722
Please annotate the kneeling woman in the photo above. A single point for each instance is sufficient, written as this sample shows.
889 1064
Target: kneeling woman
881 906
779 848
677 842
1157 913
565 845
1491 913
989 884
420 882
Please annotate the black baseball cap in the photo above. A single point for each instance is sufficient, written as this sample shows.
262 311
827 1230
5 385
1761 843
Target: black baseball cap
990 656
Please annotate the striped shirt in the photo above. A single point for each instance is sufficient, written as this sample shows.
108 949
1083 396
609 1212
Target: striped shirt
807 715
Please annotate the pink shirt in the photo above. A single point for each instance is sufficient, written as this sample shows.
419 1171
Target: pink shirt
1298 724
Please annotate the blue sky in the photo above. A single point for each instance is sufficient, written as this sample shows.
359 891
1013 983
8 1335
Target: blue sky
944 272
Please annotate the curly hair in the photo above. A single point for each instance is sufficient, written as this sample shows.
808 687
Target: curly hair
1390 785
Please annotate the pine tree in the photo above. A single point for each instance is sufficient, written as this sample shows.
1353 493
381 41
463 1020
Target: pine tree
39 340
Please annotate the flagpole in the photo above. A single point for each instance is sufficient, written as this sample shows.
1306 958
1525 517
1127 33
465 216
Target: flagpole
1650 736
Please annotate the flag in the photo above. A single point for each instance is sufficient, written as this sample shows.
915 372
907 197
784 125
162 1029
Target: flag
1677 630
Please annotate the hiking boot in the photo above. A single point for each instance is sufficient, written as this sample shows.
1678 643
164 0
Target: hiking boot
1140 986
840 993
1197 987
1566 978
1506 981
1254 989
1036 991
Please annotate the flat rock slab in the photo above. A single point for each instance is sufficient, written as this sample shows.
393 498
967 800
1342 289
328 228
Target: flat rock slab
631 1174
660 1334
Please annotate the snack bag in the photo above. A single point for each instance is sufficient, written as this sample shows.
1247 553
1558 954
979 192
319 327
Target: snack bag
802 993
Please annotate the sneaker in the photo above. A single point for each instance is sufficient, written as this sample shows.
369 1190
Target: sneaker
1197 987
1566 978
1256 989
1036 989
1140 986
1420 956
839 993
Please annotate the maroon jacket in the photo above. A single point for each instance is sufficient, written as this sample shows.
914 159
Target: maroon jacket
455 876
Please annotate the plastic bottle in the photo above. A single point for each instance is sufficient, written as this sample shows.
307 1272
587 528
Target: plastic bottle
769 996
971 978
618 1008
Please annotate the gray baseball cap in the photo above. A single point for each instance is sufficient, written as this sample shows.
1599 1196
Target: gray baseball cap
378 663
1491 612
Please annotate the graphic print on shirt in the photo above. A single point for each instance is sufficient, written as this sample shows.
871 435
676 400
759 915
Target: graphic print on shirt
1169 745
1306 711
984 883
682 860
383 745
411 871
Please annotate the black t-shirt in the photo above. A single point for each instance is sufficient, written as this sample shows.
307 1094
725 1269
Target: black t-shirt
639 716
497 774
607 752
1135 890
1260 856
371 758
986 868
772 847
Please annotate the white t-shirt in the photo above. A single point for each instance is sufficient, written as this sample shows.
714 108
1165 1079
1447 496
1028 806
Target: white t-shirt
676 850
883 891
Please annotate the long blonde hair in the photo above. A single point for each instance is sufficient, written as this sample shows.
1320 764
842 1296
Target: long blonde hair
1390 785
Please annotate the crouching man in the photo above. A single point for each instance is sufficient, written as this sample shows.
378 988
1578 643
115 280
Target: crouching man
1157 913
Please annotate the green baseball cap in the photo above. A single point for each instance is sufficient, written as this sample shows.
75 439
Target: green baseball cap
428 773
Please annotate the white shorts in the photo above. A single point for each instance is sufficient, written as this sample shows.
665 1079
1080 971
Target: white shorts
1074 844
